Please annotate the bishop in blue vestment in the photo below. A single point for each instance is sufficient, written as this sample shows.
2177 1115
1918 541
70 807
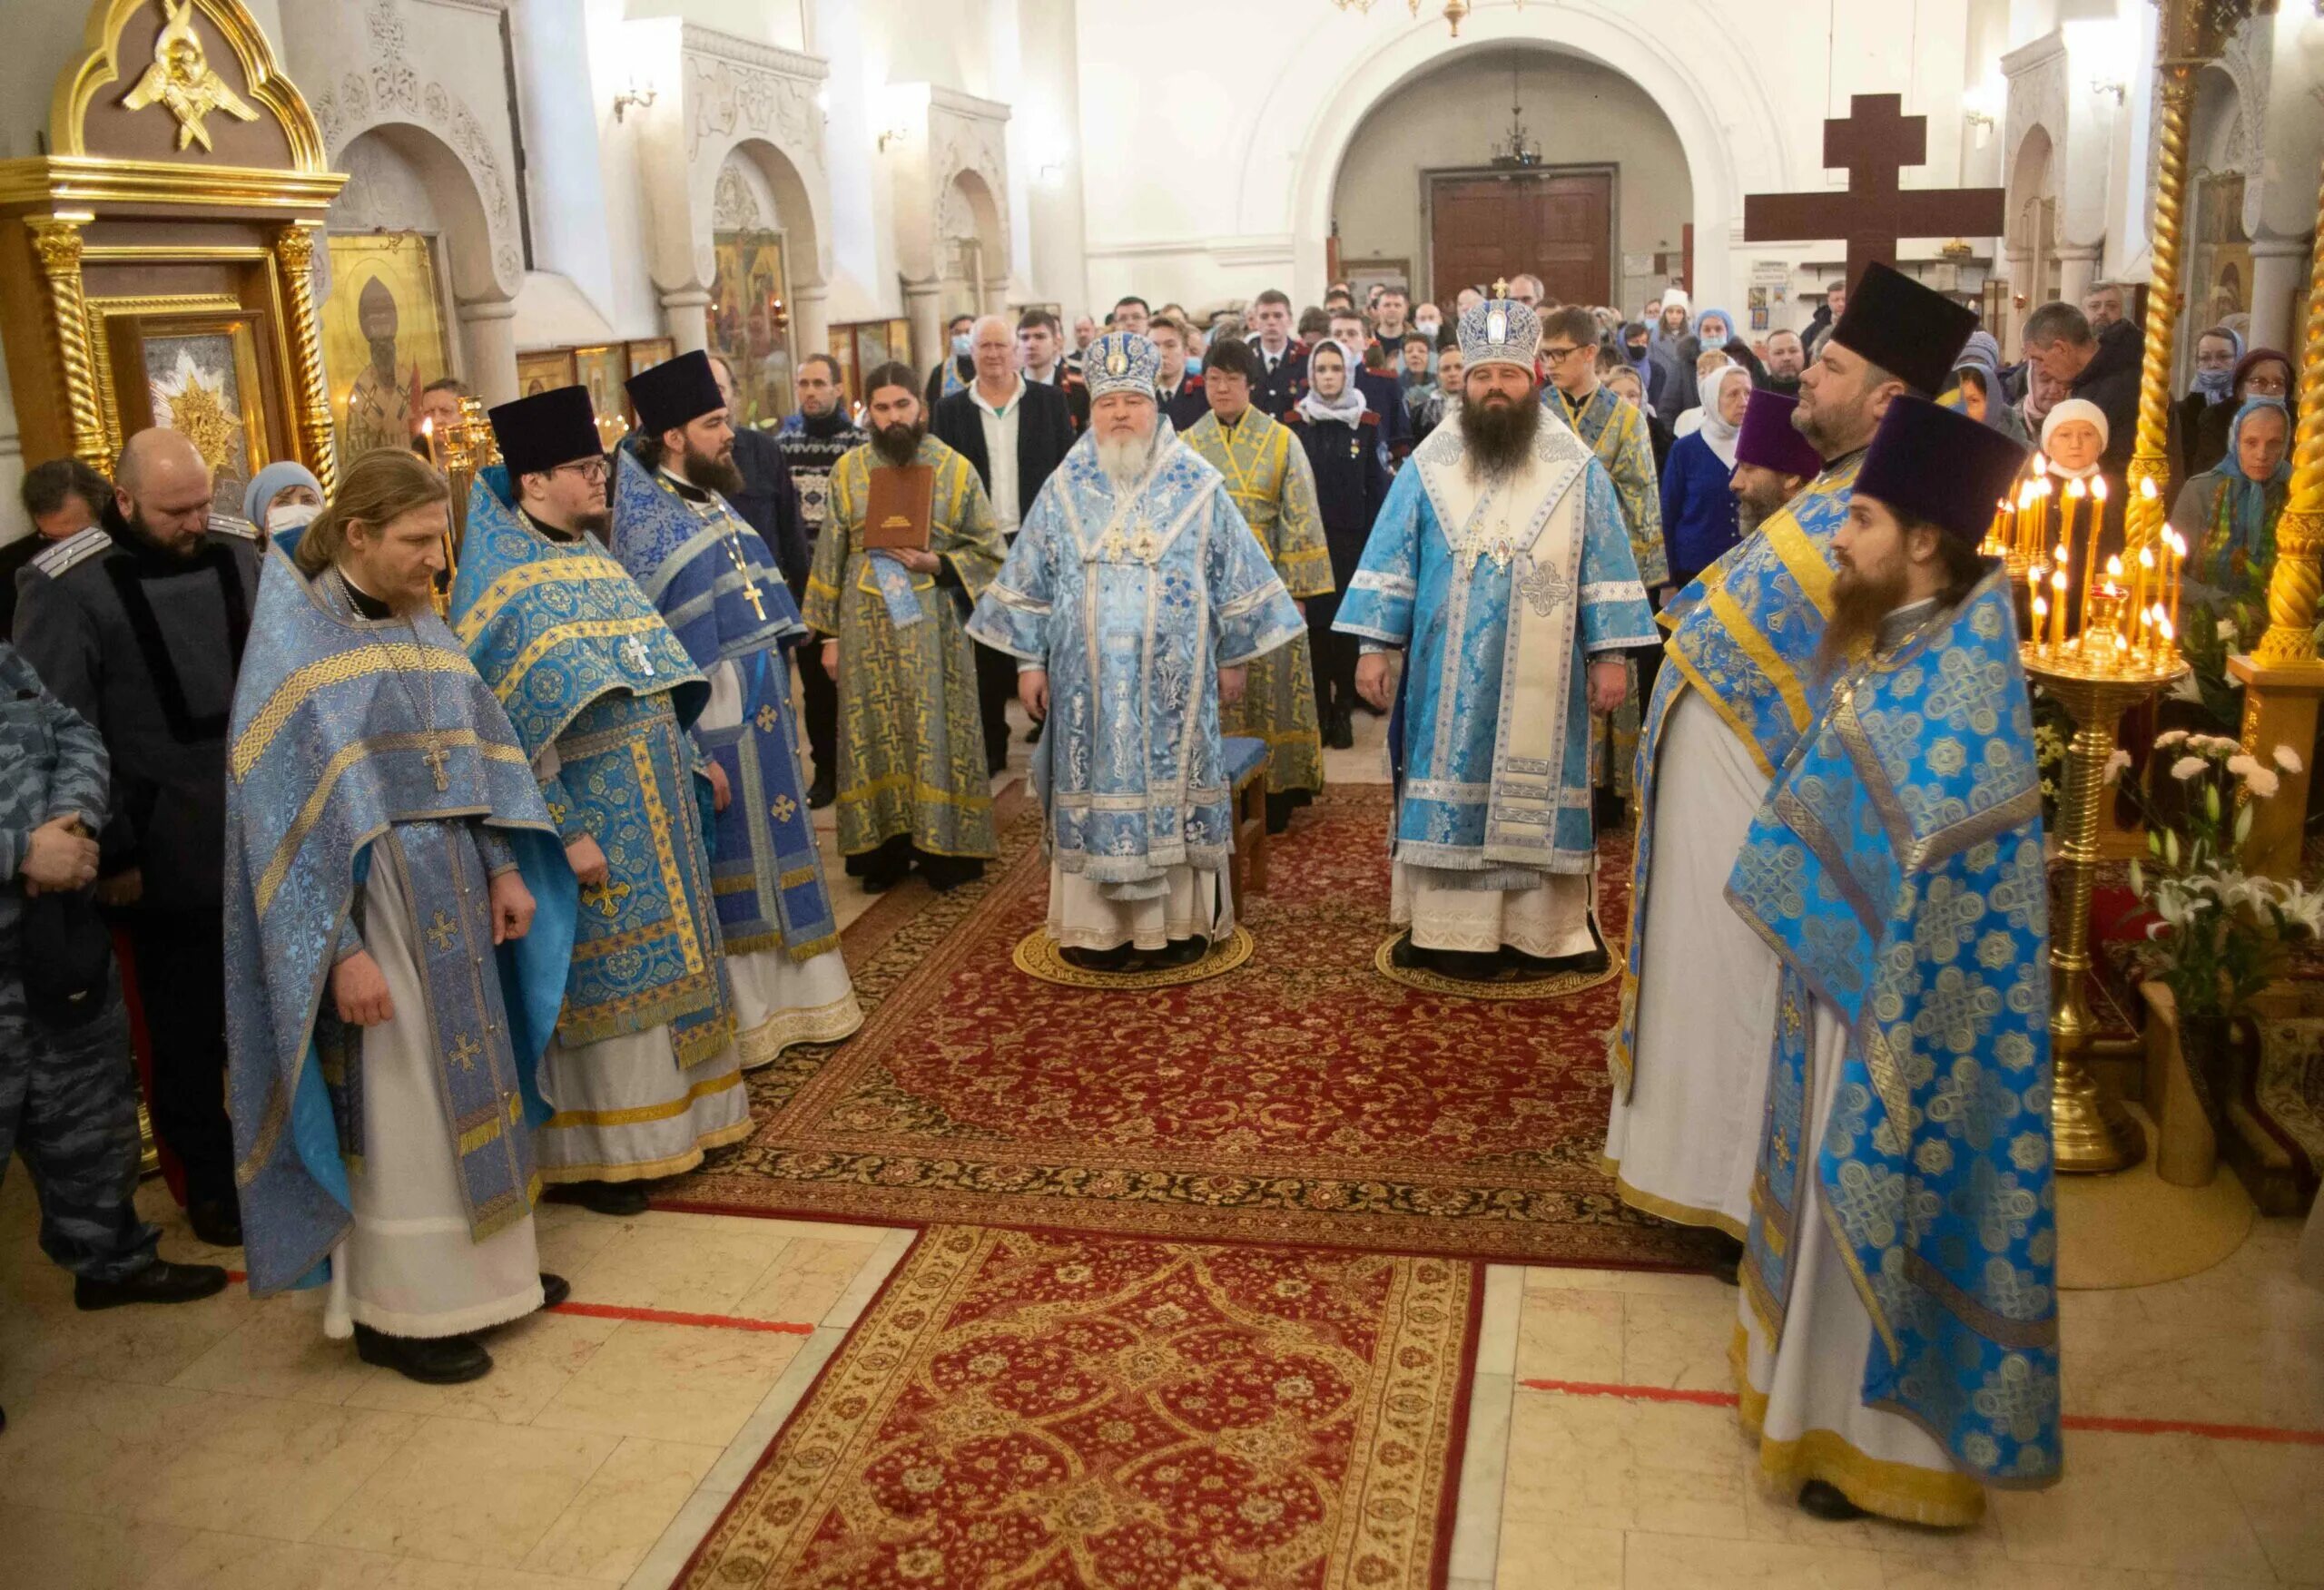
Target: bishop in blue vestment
1133 595
398 923
1500 566
716 584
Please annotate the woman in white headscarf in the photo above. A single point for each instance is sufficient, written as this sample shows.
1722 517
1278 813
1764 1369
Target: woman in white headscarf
1698 519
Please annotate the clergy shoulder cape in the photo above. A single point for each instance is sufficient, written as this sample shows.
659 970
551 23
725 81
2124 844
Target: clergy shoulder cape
331 744
583 662
1133 601
1745 634
1498 591
717 587
1896 871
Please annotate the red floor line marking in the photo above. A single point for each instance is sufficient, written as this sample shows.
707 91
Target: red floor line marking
2073 1421
659 1316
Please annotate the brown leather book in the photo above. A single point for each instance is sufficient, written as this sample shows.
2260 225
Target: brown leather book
903 503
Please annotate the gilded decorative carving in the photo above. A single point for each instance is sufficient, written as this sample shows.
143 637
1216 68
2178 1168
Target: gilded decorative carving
294 250
181 80
56 239
2296 585
2175 100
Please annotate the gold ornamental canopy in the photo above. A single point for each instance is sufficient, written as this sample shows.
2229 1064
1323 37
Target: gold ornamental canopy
156 264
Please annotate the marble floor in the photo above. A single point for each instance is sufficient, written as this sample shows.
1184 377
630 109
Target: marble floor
226 1444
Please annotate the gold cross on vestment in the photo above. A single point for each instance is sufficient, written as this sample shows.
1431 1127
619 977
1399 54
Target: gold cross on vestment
605 897
436 756
465 1049
443 932
750 585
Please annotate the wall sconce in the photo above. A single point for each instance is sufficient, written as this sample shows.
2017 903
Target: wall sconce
895 135
632 95
2103 85
1982 107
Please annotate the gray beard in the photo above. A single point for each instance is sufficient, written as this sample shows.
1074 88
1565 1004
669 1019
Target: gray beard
1124 460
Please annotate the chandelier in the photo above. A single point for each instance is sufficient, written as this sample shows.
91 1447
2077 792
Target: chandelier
1518 149
1455 10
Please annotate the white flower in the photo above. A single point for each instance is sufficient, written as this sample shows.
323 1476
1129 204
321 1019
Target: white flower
2243 765
2187 767
2169 738
2115 762
2261 782
2226 629
2287 759
2302 908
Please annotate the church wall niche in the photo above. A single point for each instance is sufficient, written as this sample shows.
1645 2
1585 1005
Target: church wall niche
750 312
385 280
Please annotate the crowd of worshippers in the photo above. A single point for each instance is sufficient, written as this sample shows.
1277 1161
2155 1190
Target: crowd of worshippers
443 892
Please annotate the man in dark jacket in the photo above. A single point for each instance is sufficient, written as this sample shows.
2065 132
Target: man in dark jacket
2101 366
1283 360
137 624
814 441
768 501
1013 432
62 497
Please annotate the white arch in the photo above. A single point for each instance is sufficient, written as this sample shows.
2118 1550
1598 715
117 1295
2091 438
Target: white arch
471 241
1731 138
798 205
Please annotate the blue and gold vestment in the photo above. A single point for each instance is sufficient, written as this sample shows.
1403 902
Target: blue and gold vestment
356 744
716 585
585 666
1133 601
1745 634
1896 871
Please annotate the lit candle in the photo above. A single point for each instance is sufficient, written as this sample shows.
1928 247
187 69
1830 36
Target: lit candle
2041 612
2058 605
2178 544
2075 492
2097 516
2139 592
427 434
2119 611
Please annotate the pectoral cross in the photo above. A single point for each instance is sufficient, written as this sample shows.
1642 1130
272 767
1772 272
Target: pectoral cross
633 652
443 931
464 1050
436 756
750 585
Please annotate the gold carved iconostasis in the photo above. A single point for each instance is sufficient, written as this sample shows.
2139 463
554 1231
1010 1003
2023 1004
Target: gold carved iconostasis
156 266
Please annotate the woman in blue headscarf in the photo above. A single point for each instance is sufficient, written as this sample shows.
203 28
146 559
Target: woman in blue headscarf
282 499
2229 513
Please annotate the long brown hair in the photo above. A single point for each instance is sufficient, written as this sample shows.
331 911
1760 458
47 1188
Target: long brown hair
380 488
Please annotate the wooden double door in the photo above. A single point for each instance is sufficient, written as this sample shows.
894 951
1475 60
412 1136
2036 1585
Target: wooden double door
1557 224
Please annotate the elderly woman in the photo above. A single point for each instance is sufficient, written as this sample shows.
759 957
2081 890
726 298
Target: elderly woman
2228 512
2263 373
282 499
1698 520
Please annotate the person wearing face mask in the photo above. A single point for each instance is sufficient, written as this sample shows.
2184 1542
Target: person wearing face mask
282 499
2229 513
1429 321
1715 332
2217 353
960 365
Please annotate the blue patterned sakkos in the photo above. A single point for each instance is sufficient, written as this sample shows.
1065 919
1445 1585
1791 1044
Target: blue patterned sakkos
1898 872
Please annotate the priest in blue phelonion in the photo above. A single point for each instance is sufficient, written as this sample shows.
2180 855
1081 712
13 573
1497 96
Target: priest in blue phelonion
1132 599
1898 1347
1502 568
716 584
399 920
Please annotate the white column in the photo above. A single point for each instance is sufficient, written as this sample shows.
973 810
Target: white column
2021 285
921 307
2077 269
810 325
2279 275
683 317
489 341
563 173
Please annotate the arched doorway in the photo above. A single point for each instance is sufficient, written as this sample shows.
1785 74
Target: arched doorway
971 250
752 298
2220 262
2031 223
1430 189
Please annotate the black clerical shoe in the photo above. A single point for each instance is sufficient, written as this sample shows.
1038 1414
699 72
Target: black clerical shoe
1339 733
821 792
554 1290
159 1282
1178 952
1727 1260
1116 959
1279 810
615 1197
1406 955
1820 1498
1033 735
946 873
217 1222
432 1360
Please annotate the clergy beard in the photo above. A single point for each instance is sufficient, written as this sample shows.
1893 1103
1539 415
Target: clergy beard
1859 604
1496 434
1124 459
899 444
1748 517
597 521
713 472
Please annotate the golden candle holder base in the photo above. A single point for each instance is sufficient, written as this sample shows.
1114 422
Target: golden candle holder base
2091 1133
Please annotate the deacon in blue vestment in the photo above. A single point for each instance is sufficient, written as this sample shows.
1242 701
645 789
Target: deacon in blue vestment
1738 690
716 584
1502 566
1897 1349
1132 599
643 1075
398 921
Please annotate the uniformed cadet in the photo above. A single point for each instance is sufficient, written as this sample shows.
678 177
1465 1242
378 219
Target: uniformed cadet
68 1100
137 624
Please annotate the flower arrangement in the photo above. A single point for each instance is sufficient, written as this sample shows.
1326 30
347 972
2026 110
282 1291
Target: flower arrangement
2224 933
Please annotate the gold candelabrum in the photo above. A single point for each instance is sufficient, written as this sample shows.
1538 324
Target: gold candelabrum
460 450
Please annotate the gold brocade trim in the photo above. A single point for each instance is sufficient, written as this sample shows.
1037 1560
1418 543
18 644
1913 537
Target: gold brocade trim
666 856
642 1115
1037 955
578 569
1669 1209
821 1024
650 1170
549 639
928 792
476 1137
747 884
1753 644
1744 733
1807 567
1969 831
379 657
704 1040
287 850
799 875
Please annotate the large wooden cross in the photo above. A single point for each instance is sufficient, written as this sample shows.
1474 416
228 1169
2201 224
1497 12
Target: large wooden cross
1872 143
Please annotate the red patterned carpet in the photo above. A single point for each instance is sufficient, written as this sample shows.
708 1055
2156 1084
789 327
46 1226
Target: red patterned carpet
1301 1099
1060 1413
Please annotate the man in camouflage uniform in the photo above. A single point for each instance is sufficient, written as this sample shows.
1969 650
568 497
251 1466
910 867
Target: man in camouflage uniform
137 624
67 1098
